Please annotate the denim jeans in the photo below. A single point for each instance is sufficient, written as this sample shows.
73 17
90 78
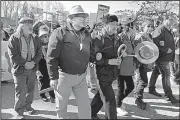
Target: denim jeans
164 69
176 67
141 82
24 90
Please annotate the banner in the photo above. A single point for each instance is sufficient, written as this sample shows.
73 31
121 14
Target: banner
5 62
103 10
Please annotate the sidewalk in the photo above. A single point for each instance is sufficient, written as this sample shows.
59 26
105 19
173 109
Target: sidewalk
157 108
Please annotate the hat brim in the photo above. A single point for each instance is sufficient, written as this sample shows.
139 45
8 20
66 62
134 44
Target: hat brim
43 33
124 22
73 15
155 52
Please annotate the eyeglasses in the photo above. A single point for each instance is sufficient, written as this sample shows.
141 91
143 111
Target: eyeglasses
45 36
80 15
150 26
81 18
29 24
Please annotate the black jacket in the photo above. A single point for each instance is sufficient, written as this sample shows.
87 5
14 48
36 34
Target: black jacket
64 52
162 35
108 47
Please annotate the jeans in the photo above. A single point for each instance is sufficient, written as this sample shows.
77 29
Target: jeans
141 82
24 90
164 69
176 67
123 93
110 101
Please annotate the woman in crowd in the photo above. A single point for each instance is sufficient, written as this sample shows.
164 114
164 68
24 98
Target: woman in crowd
127 66
42 30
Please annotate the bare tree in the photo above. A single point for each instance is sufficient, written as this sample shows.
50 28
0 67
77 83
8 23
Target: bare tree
156 9
57 6
9 8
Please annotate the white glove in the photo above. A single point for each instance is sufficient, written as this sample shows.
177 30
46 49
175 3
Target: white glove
114 61
124 54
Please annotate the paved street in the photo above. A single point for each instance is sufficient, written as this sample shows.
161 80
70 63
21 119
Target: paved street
157 108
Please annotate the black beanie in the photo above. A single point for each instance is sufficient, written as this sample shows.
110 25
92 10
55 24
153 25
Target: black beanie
110 18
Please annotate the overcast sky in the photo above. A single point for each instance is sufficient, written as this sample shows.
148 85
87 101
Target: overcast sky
92 6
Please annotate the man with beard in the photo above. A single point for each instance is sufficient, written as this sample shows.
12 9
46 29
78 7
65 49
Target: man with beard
67 60
24 50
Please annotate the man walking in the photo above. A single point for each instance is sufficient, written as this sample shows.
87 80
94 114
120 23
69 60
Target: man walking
163 38
69 50
24 50
105 50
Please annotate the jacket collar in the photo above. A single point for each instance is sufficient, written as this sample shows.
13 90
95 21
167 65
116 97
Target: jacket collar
70 27
18 35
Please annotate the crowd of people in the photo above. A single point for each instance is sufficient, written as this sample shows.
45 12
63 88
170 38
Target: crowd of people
61 59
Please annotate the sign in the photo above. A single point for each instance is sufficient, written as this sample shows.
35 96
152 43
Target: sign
92 19
103 10
35 10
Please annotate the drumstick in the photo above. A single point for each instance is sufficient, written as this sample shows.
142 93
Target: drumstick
49 89
132 55
46 90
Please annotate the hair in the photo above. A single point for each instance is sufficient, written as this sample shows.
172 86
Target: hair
19 28
109 18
